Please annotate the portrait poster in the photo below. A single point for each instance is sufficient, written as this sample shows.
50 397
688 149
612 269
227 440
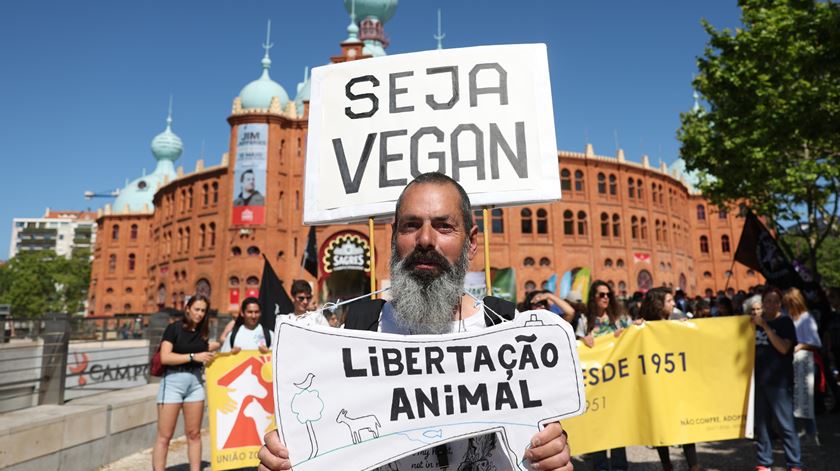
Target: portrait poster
240 407
249 182
482 115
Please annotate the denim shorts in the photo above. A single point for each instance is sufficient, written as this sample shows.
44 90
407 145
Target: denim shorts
181 386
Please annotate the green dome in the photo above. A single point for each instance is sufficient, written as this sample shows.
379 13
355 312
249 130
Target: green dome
303 91
258 94
167 145
383 10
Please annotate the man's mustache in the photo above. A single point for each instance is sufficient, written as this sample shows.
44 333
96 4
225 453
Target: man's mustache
426 257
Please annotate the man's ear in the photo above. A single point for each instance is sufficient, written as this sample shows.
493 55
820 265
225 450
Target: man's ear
473 242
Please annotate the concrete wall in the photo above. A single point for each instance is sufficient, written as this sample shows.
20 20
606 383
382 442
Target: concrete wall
82 435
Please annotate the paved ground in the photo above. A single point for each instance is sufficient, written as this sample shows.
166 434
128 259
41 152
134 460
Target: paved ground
733 455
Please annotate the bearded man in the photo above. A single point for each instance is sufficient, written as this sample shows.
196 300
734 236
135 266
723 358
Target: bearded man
434 240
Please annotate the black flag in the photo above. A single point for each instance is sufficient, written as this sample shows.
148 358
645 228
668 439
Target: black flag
273 298
758 250
309 262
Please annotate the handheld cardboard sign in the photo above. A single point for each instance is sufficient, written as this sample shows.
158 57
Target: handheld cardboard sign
359 400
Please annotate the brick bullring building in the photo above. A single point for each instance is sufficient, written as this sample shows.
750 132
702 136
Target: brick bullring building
171 233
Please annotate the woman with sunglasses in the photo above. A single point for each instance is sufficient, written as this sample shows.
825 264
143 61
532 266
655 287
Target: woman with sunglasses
657 305
603 316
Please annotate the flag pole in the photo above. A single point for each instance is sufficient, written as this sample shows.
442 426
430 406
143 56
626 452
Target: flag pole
372 259
485 214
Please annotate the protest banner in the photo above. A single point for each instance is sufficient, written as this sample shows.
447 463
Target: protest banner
240 405
667 383
482 115
365 399
249 183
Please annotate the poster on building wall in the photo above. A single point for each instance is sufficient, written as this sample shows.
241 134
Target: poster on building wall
249 174
366 399
667 383
240 408
482 115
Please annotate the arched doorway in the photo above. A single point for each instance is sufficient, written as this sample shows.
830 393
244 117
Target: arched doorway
644 281
202 287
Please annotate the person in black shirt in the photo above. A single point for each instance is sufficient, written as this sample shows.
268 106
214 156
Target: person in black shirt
184 350
775 337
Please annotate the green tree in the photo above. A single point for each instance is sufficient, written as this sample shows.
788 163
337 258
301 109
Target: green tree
38 282
770 133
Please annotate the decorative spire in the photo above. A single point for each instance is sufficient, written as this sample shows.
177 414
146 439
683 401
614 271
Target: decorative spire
439 36
169 115
352 28
266 61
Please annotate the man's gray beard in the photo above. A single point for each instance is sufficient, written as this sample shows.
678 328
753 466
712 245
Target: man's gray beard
426 308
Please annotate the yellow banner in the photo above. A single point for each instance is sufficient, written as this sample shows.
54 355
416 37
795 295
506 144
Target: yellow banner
667 383
241 408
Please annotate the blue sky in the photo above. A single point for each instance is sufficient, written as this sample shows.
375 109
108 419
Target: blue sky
85 84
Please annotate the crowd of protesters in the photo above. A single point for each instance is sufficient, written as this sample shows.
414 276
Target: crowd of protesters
797 354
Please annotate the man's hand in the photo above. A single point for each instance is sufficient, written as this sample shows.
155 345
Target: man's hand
549 450
589 340
274 456
263 349
235 350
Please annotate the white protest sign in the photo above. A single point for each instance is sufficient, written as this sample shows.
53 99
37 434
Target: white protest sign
482 115
358 400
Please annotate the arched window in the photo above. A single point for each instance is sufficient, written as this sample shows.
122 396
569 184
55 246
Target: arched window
180 239
542 221
722 213
605 225
112 263
528 262
161 298
478 220
579 181
235 251
653 192
190 198
658 231
631 188
565 180
634 227
613 185
701 212
608 263
109 290
545 262
212 234
115 232
215 192
133 232
704 244
727 273
202 287
724 244
661 195
602 184
253 251
127 307
616 225
619 263
187 239
639 189
664 232
526 223
252 281
233 281
568 223
581 223
622 288
611 284
107 308
132 262
205 194
202 236
497 219
644 229
707 274
530 286
129 290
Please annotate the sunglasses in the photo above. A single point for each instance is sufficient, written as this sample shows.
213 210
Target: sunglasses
602 295
303 298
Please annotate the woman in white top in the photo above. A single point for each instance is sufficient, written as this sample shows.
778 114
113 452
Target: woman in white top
807 342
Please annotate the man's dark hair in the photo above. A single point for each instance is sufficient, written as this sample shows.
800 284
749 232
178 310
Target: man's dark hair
440 179
301 286
247 301
242 177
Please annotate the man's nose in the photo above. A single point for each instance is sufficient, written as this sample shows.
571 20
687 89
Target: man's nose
426 236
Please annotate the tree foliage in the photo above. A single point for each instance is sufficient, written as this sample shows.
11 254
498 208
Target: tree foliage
37 282
770 135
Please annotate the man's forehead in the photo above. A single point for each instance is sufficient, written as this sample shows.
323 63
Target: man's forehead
440 199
